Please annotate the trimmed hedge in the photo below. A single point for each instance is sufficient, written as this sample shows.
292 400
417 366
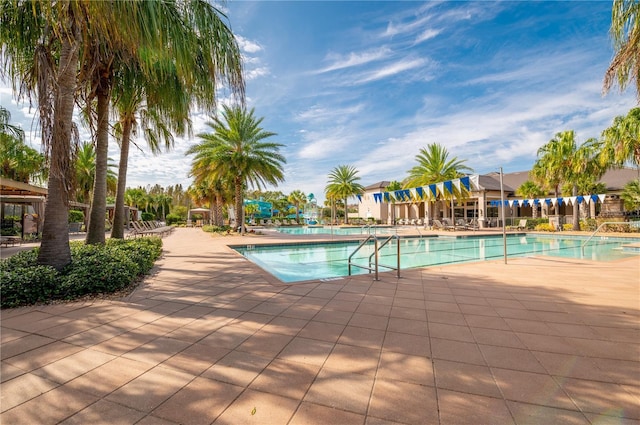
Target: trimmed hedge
94 270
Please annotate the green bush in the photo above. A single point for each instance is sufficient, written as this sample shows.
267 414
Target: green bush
94 269
567 226
172 219
76 216
545 227
146 216
216 229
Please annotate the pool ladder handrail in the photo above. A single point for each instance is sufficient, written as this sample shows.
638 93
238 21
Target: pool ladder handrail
376 249
380 246
630 223
369 227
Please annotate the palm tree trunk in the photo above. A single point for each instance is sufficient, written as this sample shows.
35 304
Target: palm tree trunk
54 249
117 231
576 209
219 215
346 212
239 208
96 231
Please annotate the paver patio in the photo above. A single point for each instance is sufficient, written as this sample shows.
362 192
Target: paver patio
211 338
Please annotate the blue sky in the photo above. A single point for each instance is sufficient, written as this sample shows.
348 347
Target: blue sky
369 83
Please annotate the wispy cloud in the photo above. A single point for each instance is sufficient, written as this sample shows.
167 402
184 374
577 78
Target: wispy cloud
392 69
353 59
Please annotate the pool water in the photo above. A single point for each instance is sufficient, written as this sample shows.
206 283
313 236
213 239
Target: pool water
299 262
320 230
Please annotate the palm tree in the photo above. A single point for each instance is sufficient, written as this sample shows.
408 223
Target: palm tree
392 187
18 161
343 183
195 47
435 166
625 32
9 129
561 160
530 189
621 141
631 195
40 45
297 198
237 150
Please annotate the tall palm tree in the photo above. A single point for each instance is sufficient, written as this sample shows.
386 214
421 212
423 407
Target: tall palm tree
343 183
297 198
621 141
530 189
237 150
561 160
434 165
625 33
40 45
195 45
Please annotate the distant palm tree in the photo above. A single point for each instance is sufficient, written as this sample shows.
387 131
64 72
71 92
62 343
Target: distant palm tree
625 32
85 166
343 183
297 198
621 141
434 166
18 161
237 150
530 189
392 187
631 195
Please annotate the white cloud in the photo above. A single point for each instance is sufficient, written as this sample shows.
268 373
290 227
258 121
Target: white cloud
355 59
392 69
247 45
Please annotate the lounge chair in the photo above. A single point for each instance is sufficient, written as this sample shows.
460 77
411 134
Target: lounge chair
438 225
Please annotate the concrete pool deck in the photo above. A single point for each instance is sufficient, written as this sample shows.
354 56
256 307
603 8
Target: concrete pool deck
211 338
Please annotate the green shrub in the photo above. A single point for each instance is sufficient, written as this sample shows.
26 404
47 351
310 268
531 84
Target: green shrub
172 219
145 216
589 224
94 269
567 226
216 229
545 227
76 216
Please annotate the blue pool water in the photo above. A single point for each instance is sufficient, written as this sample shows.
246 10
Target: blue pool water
328 230
299 262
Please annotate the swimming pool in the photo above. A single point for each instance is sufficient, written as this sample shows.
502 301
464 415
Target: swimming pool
326 260
328 230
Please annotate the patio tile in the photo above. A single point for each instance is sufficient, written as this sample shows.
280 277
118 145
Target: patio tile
322 331
362 337
48 408
8 334
568 365
333 316
238 368
486 322
104 413
42 356
75 365
457 351
619 371
606 349
454 332
286 378
446 317
156 351
406 368
149 390
265 343
109 377
511 358
23 388
228 337
308 351
199 402
342 305
8 372
255 407
409 313
196 358
374 309
407 344
534 388
314 414
443 306
369 321
22 345
533 414
547 343
465 378
497 337
413 327
403 402
417 303
462 409
602 398
353 359
341 390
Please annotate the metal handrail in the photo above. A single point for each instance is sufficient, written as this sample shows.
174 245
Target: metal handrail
630 223
376 253
363 243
